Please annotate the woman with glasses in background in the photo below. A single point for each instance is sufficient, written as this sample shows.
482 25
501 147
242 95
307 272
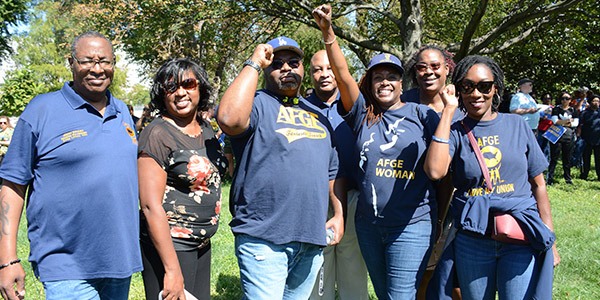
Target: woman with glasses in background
179 166
516 186
567 117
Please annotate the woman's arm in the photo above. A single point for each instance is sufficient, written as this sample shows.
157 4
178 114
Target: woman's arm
538 189
152 183
438 157
347 86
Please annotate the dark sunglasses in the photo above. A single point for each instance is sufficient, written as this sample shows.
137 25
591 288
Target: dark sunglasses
3 123
468 86
294 63
422 67
188 84
565 98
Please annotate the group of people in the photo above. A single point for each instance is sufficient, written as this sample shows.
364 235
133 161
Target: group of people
353 178
568 129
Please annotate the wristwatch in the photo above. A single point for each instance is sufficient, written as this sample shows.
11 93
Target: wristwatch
253 65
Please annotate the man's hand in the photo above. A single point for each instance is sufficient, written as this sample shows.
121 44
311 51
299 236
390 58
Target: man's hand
337 224
11 277
263 55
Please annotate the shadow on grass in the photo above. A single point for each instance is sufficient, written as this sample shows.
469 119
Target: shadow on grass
228 287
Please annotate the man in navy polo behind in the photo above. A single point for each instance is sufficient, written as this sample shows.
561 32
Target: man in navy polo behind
285 175
74 152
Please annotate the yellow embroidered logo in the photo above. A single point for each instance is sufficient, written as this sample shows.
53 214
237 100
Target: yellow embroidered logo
130 132
298 117
73 135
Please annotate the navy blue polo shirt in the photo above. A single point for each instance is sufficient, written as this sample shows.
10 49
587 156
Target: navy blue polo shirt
81 169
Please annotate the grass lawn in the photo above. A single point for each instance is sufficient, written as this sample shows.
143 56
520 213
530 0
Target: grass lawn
576 211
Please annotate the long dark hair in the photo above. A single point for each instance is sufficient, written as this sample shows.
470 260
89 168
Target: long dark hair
463 67
174 69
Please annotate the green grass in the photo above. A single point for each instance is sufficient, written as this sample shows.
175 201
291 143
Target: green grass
576 211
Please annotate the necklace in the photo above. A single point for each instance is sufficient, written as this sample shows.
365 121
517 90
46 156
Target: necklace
182 129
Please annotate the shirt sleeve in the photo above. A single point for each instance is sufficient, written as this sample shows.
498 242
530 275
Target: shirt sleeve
153 143
17 165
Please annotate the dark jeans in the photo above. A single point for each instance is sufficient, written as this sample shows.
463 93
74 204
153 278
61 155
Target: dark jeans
587 157
565 146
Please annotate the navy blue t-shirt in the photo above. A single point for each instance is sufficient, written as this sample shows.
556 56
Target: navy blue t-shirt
511 153
286 159
394 189
81 170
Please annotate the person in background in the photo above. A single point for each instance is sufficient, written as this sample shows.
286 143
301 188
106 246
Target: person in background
179 166
343 266
397 206
135 119
74 151
286 170
568 117
6 132
145 119
523 104
515 162
544 124
589 129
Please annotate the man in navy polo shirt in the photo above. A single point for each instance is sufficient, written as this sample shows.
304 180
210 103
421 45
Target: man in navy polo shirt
285 176
74 152
343 267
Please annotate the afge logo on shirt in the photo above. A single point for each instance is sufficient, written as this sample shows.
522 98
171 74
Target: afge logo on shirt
73 135
130 132
311 128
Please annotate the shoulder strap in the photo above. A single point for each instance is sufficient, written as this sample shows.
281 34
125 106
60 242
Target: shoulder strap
480 159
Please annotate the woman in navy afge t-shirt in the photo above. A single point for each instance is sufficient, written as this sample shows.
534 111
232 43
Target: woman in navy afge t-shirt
516 186
396 206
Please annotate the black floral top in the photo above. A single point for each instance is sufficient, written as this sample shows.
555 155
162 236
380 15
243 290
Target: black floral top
192 197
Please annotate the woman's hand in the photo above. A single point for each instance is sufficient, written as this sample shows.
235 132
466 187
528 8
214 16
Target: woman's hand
322 15
173 288
449 96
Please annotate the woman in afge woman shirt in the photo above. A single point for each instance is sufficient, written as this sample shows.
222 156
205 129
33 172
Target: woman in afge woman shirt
179 164
515 164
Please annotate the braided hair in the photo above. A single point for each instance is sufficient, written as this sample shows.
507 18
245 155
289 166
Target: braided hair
463 67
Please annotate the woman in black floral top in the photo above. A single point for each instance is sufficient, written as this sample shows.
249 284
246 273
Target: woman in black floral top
179 164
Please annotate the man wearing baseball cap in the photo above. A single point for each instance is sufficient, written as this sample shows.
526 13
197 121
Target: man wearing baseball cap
523 104
285 177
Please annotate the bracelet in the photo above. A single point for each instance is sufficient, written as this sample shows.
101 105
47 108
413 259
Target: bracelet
253 65
440 140
331 42
16 261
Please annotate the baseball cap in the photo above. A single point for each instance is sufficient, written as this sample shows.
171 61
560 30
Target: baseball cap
386 58
285 43
524 81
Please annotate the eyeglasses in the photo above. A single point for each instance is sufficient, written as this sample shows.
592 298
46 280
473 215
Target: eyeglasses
188 84
3 122
422 67
90 63
565 98
294 63
468 86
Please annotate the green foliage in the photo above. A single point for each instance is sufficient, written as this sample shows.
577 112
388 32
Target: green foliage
11 13
18 89
139 95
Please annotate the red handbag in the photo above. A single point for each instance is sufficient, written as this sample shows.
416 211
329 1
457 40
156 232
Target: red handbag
506 227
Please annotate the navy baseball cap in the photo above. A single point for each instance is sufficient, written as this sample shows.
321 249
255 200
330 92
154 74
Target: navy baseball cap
285 43
388 59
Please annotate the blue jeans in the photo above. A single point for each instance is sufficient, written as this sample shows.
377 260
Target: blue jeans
271 271
396 257
88 289
484 266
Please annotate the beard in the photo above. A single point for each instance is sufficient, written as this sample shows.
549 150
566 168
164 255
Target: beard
290 85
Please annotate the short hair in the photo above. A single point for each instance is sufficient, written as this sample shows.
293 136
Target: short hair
90 34
174 69
7 120
412 62
463 67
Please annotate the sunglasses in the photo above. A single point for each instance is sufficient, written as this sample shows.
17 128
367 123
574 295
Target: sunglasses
468 86
188 84
565 98
3 123
294 63
422 67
